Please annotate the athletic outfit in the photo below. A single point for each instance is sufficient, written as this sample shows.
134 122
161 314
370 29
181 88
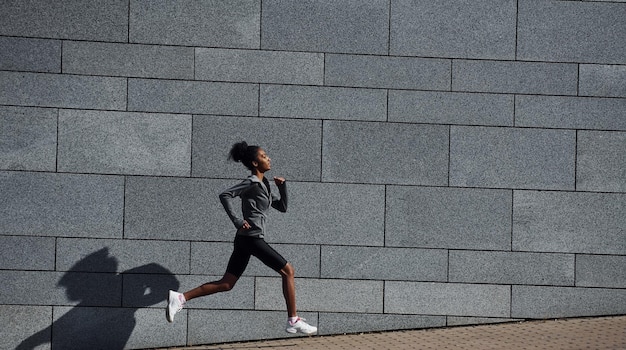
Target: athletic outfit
256 199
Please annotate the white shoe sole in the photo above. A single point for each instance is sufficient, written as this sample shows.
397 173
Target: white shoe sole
294 331
168 313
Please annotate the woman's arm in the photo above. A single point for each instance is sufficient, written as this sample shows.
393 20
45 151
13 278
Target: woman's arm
280 204
228 198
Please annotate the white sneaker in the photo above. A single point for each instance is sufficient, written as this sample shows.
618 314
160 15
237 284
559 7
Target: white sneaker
175 302
301 326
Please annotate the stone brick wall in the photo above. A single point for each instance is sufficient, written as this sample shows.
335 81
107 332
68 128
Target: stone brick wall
449 162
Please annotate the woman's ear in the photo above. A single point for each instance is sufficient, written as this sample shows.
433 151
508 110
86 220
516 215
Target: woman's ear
255 163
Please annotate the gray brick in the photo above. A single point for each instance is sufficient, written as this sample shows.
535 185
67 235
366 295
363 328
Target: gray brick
66 91
259 66
176 208
515 77
205 259
569 222
150 331
385 153
512 268
601 161
342 323
29 138
387 72
329 295
447 299
282 139
148 289
130 256
557 302
124 143
570 112
128 60
27 253
28 326
215 326
113 328
486 29
177 96
602 80
241 297
512 158
55 288
35 55
211 23
105 20
448 218
569 31
351 26
328 214
450 108
385 263
600 271
61 205
323 102
211 258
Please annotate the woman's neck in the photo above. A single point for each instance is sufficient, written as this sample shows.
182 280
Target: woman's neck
258 174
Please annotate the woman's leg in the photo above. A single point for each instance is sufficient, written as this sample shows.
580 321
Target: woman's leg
225 284
289 289
295 324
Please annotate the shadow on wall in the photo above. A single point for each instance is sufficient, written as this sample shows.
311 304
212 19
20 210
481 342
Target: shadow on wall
89 327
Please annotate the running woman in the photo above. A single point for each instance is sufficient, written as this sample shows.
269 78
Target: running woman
256 199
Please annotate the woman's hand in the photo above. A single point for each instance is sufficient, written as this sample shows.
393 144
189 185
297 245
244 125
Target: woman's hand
279 180
246 225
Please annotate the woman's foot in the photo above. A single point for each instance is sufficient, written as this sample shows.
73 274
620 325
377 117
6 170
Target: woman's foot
300 326
175 303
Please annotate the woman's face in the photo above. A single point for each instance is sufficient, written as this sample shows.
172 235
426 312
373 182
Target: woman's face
263 161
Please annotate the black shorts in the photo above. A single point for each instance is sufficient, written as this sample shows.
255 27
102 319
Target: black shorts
253 246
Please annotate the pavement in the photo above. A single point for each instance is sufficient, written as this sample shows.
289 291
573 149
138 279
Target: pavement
597 333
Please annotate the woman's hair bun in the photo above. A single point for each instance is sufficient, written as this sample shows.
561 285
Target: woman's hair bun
238 151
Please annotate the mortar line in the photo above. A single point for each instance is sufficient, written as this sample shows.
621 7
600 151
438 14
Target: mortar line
575 266
322 152
389 30
512 218
324 69
193 59
576 161
578 79
191 148
56 156
261 25
449 152
511 301
385 216
320 261
127 93
448 267
516 25
387 107
514 108
124 209
128 23
384 290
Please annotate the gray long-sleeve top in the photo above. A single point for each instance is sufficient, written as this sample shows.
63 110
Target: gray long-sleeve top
256 199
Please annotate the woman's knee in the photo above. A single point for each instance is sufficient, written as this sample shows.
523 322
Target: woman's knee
227 282
226 286
288 271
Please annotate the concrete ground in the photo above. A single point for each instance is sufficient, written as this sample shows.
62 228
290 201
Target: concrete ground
598 333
